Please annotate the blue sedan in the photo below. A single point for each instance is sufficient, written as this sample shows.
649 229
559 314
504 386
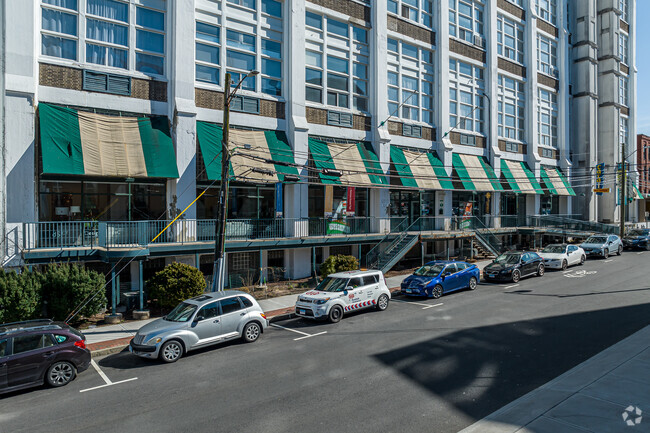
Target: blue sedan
437 278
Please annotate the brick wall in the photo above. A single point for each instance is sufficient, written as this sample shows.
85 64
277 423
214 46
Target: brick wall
466 50
624 69
214 100
346 7
625 26
416 32
513 68
395 128
511 9
548 81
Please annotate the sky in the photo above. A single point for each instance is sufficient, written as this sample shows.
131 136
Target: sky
643 67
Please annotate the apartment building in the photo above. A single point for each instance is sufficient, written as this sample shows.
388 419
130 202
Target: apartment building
643 168
363 117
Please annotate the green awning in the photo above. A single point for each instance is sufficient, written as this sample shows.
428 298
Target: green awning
83 143
266 151
519 177
556 183
475 173
357 162
637 194
417 169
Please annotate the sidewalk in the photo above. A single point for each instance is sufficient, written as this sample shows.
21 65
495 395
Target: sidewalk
600 395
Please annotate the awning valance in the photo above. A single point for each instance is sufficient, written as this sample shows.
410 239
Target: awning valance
421 170
520 178
637 194
357 162
475 173
556 183
82 143
266 151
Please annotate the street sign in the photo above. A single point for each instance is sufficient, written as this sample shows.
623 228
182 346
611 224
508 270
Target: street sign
601 190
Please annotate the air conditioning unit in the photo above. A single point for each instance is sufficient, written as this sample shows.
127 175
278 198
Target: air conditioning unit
479 41
555 72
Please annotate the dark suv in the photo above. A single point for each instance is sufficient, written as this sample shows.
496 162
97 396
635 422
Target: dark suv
38 351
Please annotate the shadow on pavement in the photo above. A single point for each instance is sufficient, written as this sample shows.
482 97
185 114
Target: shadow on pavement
481 369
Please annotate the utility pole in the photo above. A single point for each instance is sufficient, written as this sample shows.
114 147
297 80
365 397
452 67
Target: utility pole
623 188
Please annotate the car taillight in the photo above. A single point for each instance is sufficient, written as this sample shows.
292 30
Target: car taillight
80 343
263 315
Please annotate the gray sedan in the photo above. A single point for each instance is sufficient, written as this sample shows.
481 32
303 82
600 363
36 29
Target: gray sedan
198 322
602 245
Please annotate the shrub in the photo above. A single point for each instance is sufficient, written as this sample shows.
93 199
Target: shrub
174 284
66 287
20 296
338 263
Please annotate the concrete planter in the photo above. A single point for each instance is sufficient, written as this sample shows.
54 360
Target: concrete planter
113 319
141 315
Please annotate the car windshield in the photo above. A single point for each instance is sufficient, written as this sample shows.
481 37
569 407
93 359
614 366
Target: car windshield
596 240
182 313
330 284
508 259
638 232
555 249
429 270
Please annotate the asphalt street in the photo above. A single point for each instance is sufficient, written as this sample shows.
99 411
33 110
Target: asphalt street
422 365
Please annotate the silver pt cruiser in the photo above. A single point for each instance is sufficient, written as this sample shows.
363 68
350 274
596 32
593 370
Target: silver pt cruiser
198 322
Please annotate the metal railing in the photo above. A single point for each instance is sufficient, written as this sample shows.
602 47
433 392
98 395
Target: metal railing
396 230
566 223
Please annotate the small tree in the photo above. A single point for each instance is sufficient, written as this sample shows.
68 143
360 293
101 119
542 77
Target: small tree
338 263
65 287
174 284
20 296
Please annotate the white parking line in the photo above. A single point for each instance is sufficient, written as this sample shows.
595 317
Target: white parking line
641 252
431 306
106 379
567 271
607 261
304 334
510 287
417 303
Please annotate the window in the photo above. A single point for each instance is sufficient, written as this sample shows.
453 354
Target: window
546 55
370 279
466 19
60 338
245 301
27 343
230 305
466 88
623 125
208 311
622 5
510 108
546 153
461 266
622 48
337 60
512 147
547 114
519 3
510 39
208 53
410 81
3 348
622 90
547 10
420 11
109 27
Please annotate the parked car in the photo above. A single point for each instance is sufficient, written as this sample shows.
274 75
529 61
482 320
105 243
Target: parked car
40 351
199 322
561 256
513 266
602 245
439 277
342 293
637 238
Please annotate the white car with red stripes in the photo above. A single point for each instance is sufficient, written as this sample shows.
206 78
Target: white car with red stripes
342 293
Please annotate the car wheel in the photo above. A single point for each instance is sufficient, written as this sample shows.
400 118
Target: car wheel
582 260
251 332
60 373
171 351
540 270
516 276
382 303
605 253
472 283
564 265
336 313
436 292
620 250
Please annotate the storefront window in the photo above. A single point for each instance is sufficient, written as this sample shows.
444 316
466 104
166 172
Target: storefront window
322 204
244 202
549 205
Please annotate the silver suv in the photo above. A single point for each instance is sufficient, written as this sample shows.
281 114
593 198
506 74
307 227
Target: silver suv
199 322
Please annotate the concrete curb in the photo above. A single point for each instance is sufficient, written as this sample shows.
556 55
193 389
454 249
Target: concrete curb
108 351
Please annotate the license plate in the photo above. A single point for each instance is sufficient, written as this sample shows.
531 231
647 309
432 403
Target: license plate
302 311
408 290
492 275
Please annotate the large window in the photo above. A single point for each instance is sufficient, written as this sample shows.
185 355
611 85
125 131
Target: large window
622 48
546 55
466 87
511 108
622 5
623 128
510 39
208 53
337 59
622 90
410 81
547 10
547 114
466 20
420 11
118 34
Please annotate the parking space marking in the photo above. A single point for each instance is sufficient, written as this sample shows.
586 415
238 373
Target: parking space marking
434 305
105 378
641 252
567 271
607 261
426 306
304 334
510 287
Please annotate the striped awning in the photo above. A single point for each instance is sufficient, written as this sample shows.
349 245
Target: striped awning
422 170
357 162
637 194
83 143
268 152
556 183
475 173
519 177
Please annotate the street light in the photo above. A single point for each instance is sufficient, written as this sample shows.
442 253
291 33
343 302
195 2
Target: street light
219 270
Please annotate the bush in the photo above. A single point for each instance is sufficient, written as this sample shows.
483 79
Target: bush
338 263
174 284
20 296
66 287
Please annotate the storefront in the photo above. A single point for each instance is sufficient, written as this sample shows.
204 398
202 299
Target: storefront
520 183
480 183
245 201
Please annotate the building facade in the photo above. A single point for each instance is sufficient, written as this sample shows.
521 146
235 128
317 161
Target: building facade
643 168
369 115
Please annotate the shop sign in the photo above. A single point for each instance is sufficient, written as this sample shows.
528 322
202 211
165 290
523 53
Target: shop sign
351 203
278 200
466 222
600 169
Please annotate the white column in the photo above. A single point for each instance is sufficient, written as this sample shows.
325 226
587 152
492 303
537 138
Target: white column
530 61
491 87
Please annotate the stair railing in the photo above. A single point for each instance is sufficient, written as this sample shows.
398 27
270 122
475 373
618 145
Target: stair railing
373 255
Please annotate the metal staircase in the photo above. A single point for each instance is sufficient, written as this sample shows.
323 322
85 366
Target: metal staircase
393 247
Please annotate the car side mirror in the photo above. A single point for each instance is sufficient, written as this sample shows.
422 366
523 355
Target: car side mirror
345 292
199 318
349 288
